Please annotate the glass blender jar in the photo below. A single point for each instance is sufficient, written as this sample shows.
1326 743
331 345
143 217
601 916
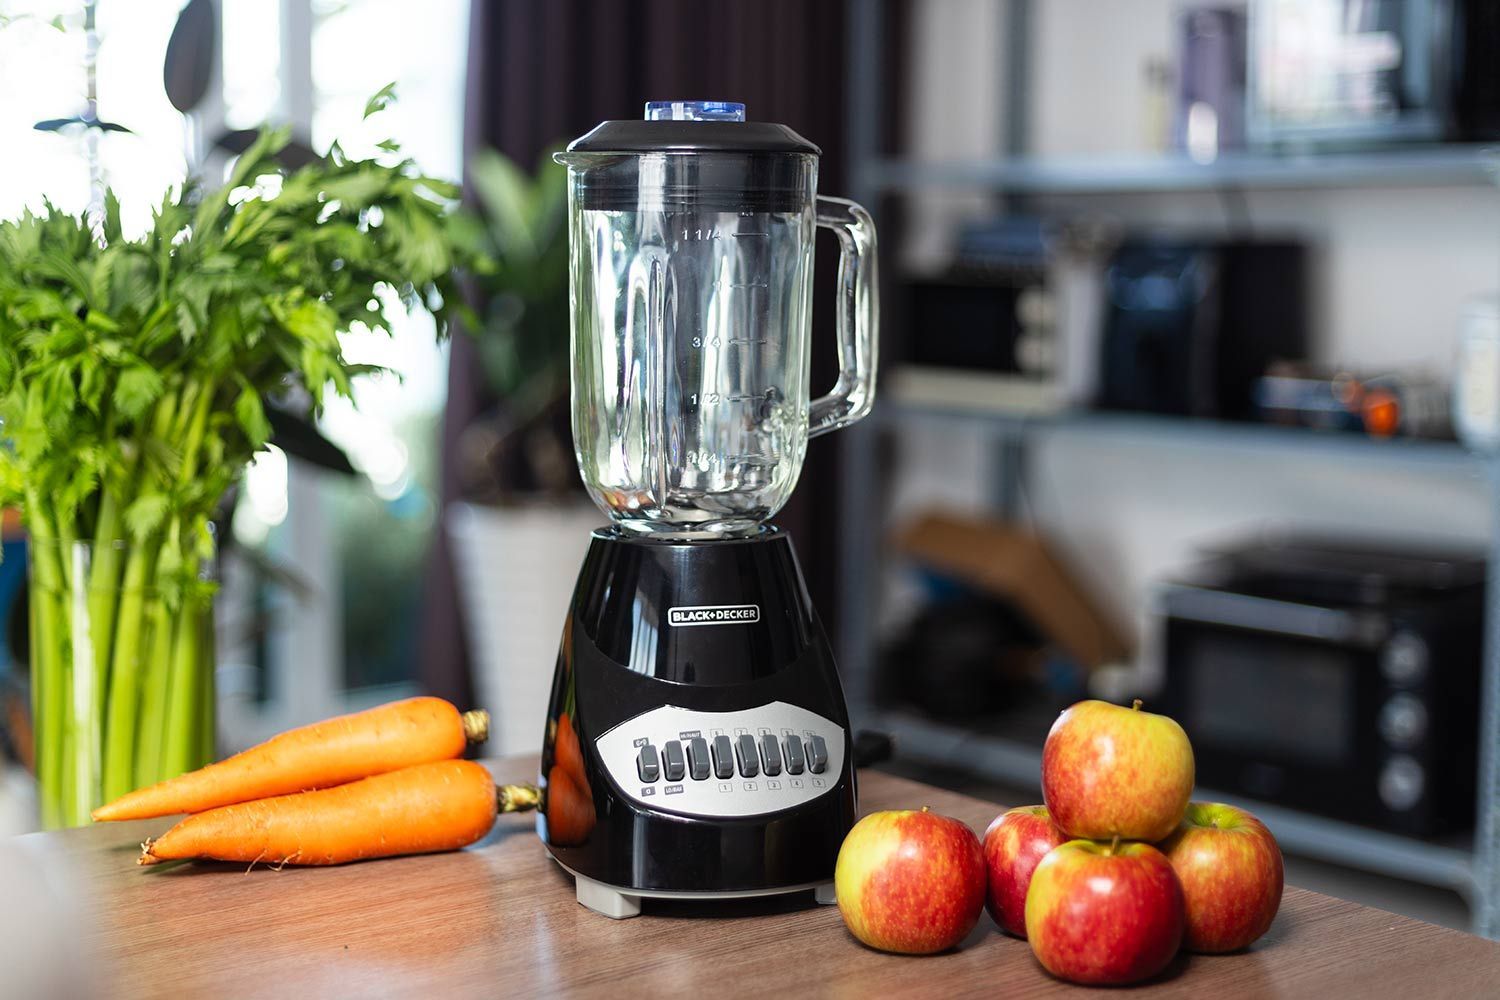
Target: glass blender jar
692 247
697 738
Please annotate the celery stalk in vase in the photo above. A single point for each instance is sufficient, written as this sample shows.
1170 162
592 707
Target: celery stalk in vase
133 380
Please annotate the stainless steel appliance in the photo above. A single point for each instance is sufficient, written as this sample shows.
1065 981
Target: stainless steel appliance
1352 72
983 332
697 741
1336 678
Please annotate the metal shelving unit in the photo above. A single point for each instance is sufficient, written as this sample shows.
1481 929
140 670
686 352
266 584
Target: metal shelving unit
1447 165
1473 871
1436 456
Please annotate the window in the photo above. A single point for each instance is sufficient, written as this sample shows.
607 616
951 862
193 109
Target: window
358 545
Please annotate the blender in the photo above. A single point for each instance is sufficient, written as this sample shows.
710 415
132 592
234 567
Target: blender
697 743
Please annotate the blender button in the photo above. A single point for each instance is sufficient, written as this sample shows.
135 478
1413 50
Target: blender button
770 755
723 757
697 752
676 767
817 755
647 763
794 758
748 757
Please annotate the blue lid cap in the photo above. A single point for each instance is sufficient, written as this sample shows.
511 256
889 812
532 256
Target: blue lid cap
695 111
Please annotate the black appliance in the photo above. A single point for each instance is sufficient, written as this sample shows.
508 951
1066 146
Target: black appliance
1189 325
991 311
1361 72
1335 678
697 744
701 700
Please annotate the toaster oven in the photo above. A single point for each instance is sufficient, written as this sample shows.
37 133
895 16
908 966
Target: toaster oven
1332 678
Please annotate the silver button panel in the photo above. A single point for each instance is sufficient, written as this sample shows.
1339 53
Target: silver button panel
722 795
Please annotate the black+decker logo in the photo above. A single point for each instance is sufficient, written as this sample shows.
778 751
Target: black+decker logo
714 614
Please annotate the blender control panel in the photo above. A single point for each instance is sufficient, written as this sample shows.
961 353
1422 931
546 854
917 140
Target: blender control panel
718 764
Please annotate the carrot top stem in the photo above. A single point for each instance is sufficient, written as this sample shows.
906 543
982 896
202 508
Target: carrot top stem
476 725
518 798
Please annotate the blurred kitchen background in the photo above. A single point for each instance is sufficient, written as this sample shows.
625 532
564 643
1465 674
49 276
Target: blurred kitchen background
1190 384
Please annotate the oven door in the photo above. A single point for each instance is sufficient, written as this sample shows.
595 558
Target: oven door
1278 700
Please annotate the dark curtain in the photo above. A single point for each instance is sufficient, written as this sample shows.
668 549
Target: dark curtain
544 73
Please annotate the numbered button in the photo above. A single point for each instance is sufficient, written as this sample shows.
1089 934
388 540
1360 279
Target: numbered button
770 755
675 765
697 753
817 755
747 756
795 761
723 757
648 764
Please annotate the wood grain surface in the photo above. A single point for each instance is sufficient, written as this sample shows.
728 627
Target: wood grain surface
499 919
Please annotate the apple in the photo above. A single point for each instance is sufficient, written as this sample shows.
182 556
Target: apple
910 881
1231 873
1104 914
1014 845
1109 772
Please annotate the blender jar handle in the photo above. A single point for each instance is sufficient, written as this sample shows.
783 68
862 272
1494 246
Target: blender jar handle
859 313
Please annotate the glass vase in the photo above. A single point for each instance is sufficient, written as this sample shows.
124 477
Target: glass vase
122 668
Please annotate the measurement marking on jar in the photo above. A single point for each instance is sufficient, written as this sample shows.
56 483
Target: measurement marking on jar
743 236
749 340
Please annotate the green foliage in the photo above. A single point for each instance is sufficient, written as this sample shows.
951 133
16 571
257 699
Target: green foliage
133 381
524 338
126 364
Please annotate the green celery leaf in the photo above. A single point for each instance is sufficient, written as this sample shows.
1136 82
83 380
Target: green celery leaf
381 99
251 415
137 388
146 513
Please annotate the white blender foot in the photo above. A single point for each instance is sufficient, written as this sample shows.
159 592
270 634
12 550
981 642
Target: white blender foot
602 899
824 895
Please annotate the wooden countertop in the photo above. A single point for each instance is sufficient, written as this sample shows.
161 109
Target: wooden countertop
499 919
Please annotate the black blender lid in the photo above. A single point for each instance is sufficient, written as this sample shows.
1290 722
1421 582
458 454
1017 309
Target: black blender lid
692 127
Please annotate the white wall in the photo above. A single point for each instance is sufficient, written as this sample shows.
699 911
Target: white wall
1391 270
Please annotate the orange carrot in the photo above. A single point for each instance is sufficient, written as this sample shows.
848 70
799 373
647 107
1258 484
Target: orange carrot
322 755
438 806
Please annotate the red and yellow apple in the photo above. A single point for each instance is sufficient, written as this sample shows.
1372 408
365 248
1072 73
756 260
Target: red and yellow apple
910 881
1231 873
1103 914
1109 772
1014 845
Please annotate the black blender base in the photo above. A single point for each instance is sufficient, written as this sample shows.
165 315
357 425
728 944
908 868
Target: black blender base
697 742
